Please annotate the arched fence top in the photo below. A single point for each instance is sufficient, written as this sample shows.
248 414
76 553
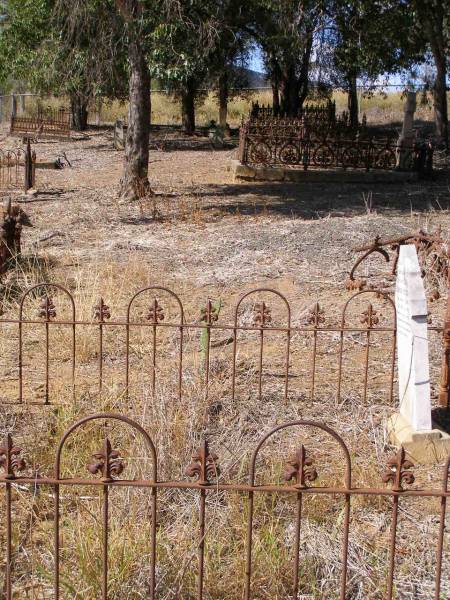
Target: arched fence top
378 294
156 288
47 286
263 291
309 424
108 417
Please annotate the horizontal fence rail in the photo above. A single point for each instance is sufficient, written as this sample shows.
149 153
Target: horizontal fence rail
273 148
261 346
302 481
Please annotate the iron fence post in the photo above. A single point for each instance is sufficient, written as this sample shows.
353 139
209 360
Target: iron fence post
444 387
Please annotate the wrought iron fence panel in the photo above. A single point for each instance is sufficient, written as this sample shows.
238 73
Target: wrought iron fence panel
302 480
49 354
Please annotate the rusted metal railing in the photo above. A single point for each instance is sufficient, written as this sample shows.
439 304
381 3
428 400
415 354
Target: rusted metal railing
46 123
17 168
265 347
303 482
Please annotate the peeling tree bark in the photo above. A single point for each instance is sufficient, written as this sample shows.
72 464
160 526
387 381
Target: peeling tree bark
134 183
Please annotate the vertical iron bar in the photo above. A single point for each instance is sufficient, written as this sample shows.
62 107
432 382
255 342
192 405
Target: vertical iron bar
313 366
8 542
201 545
297 544
343 594
341 351
105 543
366 364
390 584
248 564
56 541
154 360
180 365
153 547
100 354
288 350
394 347
47 362
20 361
261 355
440 544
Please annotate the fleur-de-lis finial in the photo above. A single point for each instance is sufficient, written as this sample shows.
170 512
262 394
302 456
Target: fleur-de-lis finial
262 314
316 315
107 462
10 459
101 311
47 309
300 468
204 465
398 471
155 313
210 313
370 317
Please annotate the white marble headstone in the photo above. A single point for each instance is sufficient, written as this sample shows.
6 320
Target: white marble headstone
412 342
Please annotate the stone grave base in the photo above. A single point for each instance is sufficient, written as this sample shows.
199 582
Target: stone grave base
337 175
424 447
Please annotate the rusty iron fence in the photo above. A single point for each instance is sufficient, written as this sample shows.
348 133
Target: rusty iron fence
17 168
259 346
292 146
303 481
45 123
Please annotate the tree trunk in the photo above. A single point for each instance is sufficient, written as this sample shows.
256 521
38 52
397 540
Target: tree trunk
275 99
289 105
188 108
223 99
353 110
78 107
440 100
134 182
303 81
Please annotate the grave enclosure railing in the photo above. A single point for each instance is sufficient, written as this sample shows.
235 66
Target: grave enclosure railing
45 123
17 168
263 347
300 475
294 146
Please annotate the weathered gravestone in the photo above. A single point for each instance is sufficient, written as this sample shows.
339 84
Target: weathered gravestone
412 426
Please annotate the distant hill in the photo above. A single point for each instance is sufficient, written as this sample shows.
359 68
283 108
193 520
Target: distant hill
254 79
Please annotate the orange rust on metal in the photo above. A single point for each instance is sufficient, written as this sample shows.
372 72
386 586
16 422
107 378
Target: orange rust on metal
444 385
108 464
427 244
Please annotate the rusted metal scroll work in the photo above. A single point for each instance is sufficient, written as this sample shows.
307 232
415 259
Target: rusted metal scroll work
75 494
432 250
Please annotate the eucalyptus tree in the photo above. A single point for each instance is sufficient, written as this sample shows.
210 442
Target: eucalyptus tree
432 24
285 31
370 39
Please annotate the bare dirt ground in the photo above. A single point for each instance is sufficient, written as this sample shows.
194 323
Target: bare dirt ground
211 232
204 235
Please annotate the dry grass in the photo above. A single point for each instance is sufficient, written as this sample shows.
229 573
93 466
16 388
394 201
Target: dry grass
214 238
379 108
